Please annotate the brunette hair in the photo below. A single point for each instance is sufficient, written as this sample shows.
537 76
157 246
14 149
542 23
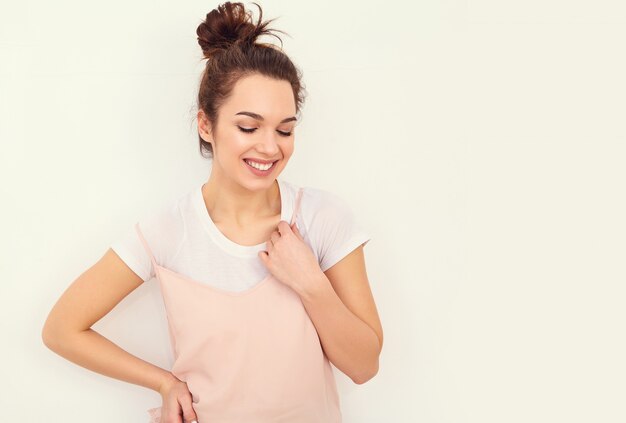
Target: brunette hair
227 37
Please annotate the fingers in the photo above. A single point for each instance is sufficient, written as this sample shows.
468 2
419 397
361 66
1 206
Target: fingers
296 231
189 415
170 412
282 227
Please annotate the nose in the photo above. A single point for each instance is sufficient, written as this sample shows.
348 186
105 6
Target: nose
268 144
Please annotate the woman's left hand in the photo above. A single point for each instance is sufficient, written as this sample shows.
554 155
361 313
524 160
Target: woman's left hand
289 259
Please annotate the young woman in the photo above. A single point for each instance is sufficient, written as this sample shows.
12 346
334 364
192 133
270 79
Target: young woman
264 282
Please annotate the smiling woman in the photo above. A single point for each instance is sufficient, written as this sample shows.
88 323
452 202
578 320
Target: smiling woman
262 141
263 280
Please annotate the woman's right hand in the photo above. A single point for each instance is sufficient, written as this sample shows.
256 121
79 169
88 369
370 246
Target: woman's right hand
177 402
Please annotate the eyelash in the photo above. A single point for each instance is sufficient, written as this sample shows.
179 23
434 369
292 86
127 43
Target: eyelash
250 130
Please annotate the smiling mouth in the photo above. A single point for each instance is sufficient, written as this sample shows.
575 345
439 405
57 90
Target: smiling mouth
271 166
263 162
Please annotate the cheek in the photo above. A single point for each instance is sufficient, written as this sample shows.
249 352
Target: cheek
288 150
238 144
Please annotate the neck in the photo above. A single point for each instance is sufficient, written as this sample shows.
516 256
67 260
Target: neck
228 201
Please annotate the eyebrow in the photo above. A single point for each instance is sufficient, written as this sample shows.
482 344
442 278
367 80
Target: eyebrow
259 117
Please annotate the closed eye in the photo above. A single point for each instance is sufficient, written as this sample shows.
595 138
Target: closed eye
250 130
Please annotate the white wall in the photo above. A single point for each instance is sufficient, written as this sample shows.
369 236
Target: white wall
482 144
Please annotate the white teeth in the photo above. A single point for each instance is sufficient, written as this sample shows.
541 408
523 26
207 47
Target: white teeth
259 165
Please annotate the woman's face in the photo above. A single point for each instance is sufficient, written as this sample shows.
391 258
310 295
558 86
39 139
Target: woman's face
256 122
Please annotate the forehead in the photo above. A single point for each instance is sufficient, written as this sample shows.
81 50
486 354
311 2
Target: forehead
271 98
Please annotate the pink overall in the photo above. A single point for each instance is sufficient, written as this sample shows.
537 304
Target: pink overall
247 357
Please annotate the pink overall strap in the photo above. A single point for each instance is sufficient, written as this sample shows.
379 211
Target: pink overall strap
145 244
297 207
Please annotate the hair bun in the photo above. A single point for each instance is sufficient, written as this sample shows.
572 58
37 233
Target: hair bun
229 24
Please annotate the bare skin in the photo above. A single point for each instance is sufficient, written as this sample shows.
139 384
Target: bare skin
245 207
253 233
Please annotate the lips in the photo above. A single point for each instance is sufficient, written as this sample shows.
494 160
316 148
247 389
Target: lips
259 172
260 160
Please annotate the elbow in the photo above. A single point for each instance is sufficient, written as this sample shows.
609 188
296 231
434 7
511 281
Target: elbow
361 379
371 372
51 335
48 337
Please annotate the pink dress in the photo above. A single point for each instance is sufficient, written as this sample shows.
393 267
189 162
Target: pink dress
249 356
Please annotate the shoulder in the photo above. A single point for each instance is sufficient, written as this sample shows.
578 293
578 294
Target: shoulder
164 228
324 206
332 227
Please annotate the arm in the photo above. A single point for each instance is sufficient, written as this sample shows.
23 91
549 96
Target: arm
343 311
67 330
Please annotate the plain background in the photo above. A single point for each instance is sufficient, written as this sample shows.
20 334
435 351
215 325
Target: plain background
480 142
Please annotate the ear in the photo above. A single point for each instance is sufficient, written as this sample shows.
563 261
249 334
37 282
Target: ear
204 127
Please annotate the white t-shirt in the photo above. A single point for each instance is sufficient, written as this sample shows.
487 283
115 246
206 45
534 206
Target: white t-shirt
183 238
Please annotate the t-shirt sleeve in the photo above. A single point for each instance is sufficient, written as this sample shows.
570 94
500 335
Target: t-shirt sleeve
334 228
163 231
132 252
